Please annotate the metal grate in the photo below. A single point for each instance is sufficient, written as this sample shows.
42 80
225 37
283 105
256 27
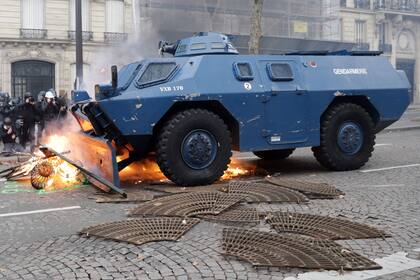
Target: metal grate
310 189
321 227
270 249
261 192
41 175
140 231
188 204
137 196
175 189
236 215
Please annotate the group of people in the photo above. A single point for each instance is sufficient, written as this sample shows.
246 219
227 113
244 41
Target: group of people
23 120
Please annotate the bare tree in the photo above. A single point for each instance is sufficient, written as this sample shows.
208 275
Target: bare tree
256 29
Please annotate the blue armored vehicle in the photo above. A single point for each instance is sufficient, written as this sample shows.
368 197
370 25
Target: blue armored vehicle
193 108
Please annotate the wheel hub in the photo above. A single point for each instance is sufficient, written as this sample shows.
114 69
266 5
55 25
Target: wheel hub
199 149
350 138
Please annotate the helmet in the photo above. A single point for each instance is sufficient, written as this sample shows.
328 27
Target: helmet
53 91
4 98
41 96
7 121
49 94
27 95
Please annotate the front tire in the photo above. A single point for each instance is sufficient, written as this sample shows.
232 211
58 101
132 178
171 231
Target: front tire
274 154
194 147
347 138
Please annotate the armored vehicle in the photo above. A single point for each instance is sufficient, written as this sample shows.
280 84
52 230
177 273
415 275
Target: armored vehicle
193 108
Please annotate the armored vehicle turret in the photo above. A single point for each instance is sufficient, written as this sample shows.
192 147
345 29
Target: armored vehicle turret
193 108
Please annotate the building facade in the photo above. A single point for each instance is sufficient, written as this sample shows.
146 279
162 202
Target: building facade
37 41
306 19
392 26
288 25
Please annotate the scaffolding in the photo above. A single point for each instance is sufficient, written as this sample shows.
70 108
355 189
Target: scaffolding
302 19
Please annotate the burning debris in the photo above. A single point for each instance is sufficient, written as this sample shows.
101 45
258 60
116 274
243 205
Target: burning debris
45 173
50 169
53 172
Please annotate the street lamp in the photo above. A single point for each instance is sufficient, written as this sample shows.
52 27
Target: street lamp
79 46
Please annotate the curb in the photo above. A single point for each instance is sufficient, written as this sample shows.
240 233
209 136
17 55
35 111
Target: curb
414 108
401 128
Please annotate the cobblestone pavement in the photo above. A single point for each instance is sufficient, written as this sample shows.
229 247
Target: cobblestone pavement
47 246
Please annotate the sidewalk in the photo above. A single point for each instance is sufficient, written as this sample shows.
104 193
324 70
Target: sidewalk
410 120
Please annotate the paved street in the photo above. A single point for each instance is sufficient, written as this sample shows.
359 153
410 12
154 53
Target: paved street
385 194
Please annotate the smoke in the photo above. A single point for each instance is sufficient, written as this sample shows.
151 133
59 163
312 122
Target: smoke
134 49
171 20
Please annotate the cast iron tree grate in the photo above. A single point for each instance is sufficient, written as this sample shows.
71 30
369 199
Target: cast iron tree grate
321 227
187 204
137 196
271 249
237 215
261 192
42 174
310 189
140 231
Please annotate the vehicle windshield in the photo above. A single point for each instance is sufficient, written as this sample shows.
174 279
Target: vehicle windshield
127 74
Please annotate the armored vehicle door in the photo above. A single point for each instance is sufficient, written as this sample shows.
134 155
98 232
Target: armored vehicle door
285 110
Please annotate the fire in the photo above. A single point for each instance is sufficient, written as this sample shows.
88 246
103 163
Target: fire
148 171
57 142
61 174
238 168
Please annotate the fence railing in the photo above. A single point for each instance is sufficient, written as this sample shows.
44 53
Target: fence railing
33 33
115 37
86 35
399 5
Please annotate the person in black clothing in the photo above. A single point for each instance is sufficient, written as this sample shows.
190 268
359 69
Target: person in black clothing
53 110
5 108
9 137
50 108
30 115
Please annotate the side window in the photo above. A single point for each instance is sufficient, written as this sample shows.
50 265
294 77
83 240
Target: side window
156 72
181 49
280 72
243 71
198 46
218 45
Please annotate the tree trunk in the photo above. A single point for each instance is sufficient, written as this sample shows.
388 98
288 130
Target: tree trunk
256 29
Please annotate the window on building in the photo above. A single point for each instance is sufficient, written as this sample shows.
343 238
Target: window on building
85 15
32 76
156 72
114 16
280 72
362 4
361 32
32 14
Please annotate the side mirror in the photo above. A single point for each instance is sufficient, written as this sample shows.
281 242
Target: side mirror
114 76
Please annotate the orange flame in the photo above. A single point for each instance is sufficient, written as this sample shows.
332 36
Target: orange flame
145 170
238 168
148 171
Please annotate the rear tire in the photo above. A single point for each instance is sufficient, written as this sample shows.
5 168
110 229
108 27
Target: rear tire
347 138
194 147
274 154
